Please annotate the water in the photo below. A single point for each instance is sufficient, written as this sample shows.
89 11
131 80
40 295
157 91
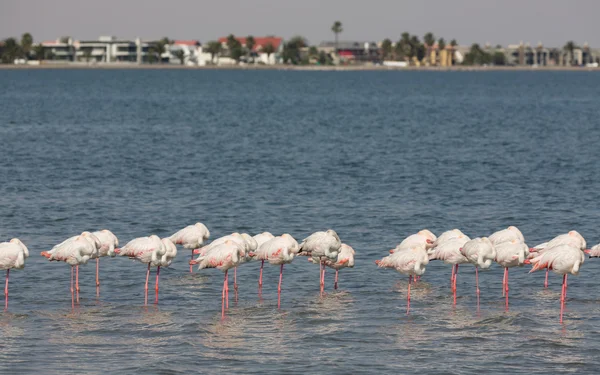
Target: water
374 155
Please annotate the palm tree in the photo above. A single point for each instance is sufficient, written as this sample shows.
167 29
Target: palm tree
337 29
214 48
180 55
269 49
570 48
453 44
250 43
441 44
386 48
11 50
429 41
235 48
26 43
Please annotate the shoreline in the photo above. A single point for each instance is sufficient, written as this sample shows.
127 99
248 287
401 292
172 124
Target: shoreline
458 68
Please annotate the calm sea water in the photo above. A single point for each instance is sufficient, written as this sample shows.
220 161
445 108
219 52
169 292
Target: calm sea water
374 155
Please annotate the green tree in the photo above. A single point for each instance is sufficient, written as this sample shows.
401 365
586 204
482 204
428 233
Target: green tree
337 29
235 48
570 49
477 56
428 41
291 50
214 48
269 49
11 51
180 55
26 44
498 58
250 43
417 48
386 49
441 44
313 51
38 50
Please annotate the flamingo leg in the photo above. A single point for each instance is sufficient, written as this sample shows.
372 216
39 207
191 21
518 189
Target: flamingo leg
72 290
226 290
408 295
546 281
504 283
452 277
279 287
262 264
146 287
6 291
191 266
156 285
335 284
77 282
235 286
323 281
455 277
563 296
223 297
506 287
477 285
97 277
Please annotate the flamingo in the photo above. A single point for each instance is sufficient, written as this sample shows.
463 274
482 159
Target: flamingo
191 237
448 250
74 251
562 259
108 243
148 250
594 252
321 246
224 256
424 236
510 254
480 252
447 236
165 260
507 235
572 238
12 256
411 262
344 259
278 251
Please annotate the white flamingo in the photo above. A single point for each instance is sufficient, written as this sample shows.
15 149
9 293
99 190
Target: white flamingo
108 243
278 251
594 252
344 259
410 262
225 256
321 246
447 249
74 251
424 236
510 254
12 256
506 235
191 237
562 259
480 252
572 238
148 250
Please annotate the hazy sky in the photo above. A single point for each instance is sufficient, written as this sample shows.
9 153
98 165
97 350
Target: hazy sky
496 21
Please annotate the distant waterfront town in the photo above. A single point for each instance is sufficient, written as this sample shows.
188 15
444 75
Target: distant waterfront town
408 51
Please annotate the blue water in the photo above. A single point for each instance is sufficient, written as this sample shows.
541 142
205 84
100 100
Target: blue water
374 155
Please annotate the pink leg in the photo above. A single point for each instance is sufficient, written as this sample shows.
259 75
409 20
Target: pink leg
546 281
506 287
335 283
563 297
77 282
72 290
223 297
191 266
452 278
226 290
504 282
455 277
97 271
156 285
477 285
323 281
279 287
146 287
262 264
408 295
6 291
235 279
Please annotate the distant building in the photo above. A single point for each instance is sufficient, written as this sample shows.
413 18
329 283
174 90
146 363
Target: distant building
192 49
352 51
106 49
524 54
257 55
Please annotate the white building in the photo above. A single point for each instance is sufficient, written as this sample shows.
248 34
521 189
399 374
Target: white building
192 49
